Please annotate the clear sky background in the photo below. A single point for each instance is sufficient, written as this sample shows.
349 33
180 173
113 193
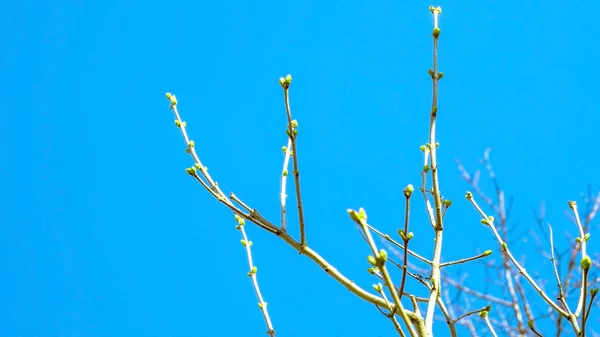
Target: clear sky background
103 233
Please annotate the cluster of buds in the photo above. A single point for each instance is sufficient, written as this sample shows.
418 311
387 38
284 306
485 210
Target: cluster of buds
379 260
436 12
240 222
285 82
405 236
446 203
294 127
172 99
359 217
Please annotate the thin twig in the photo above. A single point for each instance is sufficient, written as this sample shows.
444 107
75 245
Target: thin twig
379 288
437 199
584 315
447 316
583 242
252 274
472 312
395 243
593 296
406 236
380 258
561 294
293 133
284 174
480 256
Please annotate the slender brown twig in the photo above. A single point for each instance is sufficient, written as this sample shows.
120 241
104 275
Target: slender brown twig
406 236
292 134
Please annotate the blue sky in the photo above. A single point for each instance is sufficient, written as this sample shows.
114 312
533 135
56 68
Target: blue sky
103 233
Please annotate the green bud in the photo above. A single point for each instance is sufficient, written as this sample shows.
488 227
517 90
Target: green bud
288 79
487 252
431 9
447 203
430 71
409 236
586 263
423 148
504 246
484 222
378 287
294 124
578 240
362 213
594 291
483 314
254 270
408 190
572 204
530 324
284 149
440 75
371 270
383 255
199 167
191 143
402 234
285 173
243 242
586 237
434 111
354 215
177 123
191 171
372 260
469 196
169 96
436 32
426 168
295 132
282 81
